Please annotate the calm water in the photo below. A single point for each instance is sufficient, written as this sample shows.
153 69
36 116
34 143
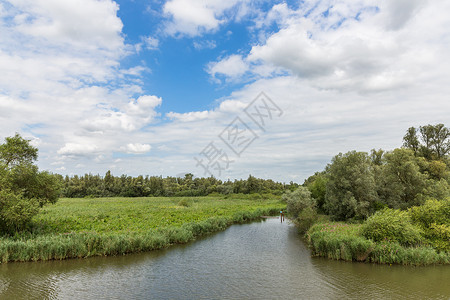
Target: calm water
264 260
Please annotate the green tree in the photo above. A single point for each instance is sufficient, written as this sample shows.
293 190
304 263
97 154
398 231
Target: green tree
351 189
301 207
23 189
410 140
435 141
317 185
401 183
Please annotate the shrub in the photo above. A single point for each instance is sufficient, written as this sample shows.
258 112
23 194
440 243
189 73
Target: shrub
438 237
433 211
393 225
298 200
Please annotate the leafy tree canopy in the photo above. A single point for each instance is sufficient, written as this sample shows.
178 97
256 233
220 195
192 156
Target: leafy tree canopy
23 189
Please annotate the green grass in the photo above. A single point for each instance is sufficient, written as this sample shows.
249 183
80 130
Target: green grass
343 241
86 227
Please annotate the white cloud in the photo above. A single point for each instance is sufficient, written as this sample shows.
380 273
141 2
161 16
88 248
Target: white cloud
352 45
151 43
195 17
204 44
70 91
61 81
190 116
73 149
136 148
232 67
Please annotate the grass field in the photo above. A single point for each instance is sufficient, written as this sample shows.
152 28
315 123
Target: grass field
111 226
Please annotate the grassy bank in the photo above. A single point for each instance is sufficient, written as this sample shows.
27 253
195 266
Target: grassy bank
343 241
75 228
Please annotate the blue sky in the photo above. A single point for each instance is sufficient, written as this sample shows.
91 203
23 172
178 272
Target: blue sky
147 87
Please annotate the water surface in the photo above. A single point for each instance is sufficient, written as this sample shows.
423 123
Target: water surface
262 260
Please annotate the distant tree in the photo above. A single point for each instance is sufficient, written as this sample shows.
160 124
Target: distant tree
440 142
430 141
411 141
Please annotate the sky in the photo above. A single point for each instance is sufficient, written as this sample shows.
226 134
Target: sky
274 89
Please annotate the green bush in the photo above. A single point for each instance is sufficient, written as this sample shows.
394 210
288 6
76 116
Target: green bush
433 211
306 218
438 237
393 225
298 200
434 219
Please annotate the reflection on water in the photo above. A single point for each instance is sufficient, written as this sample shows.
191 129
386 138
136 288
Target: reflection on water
265 260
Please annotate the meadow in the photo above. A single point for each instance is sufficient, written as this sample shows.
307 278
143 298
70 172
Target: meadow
83 227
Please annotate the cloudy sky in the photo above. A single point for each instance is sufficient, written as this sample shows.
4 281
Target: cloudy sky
169 87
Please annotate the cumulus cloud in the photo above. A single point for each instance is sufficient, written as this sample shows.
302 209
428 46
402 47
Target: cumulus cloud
61 80
196 17
136 148
232 67
343 45
190 116
73 149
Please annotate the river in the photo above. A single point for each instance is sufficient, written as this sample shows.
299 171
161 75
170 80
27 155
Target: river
261 260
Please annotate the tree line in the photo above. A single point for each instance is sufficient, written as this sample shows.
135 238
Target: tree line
145 186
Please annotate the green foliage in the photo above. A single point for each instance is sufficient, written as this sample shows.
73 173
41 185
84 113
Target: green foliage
16 211
301 207
393 225
339 241
438 236
435 141
17 150
317 185
346 242
400 183
298 200
157 186
434 219
433 211
23 189
388 252
351 189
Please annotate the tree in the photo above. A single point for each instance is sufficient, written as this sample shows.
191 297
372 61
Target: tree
410 140
440 140
435 141
317 185
401 183
351 189
17 150
23 189
301 207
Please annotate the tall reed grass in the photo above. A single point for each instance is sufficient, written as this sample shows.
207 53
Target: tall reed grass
342 241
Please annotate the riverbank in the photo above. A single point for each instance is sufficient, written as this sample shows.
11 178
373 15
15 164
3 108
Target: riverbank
341 241
79 228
